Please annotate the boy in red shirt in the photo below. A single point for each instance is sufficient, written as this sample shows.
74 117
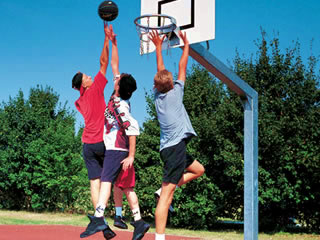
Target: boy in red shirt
91 104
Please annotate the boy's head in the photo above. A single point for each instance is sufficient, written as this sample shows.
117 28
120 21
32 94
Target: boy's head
126 86
81 79
163 81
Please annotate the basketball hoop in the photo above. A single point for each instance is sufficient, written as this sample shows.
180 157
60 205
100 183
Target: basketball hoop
163 24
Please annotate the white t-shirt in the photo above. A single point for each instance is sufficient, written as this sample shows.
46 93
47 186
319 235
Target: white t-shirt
119 124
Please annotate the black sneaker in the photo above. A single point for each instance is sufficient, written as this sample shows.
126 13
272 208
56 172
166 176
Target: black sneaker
157 196
140 228
118 222
96 225
108 233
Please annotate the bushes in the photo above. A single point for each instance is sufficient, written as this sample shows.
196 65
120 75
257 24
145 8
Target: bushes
41 165
289 153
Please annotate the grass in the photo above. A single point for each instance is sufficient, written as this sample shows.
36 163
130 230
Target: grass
27 218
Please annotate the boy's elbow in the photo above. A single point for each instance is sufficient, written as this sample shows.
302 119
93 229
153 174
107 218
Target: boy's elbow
103 64
182 67
183 62
113 65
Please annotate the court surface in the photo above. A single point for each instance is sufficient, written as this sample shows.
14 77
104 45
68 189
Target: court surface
64 232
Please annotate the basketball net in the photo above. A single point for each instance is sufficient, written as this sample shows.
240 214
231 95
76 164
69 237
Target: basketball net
163 24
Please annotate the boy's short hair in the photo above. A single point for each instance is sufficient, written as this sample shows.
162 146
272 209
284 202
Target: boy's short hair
163 81
77 80
127 85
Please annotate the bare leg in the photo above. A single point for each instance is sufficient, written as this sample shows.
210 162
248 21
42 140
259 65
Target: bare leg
117 196
140 226
163 206
133 202
194 171
97 222
95 190
132 198
105 192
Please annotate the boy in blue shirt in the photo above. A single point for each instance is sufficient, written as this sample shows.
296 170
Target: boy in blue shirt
175 131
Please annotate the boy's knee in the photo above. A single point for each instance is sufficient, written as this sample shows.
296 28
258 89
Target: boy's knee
127 191
201 171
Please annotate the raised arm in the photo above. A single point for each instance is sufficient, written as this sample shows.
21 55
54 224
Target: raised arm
115 55
157 41
104 58
184 58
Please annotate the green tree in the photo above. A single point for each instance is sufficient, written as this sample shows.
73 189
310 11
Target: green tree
289 131
41 167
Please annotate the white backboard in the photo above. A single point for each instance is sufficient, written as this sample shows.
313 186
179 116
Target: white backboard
195 17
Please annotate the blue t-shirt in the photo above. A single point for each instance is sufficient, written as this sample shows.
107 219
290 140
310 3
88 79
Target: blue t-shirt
173 118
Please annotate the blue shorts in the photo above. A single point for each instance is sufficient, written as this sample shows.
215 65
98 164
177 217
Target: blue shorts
93 155
112 165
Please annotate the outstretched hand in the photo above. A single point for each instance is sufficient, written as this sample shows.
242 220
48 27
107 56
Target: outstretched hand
111 35
106 28
156 39
183 36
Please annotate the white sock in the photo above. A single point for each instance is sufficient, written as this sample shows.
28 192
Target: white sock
160 236
136 214
99 210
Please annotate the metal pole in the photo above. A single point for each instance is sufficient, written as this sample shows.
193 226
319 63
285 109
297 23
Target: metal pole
250 102
251 168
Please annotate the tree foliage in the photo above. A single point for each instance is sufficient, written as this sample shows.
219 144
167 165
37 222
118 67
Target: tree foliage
289 131
41 166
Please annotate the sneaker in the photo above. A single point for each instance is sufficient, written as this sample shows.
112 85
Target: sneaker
118 222
96 225
140 228
157 196
108 233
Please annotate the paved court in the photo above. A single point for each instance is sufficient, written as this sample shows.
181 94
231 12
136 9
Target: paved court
63 232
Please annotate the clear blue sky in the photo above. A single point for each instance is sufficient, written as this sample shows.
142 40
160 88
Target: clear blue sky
46 42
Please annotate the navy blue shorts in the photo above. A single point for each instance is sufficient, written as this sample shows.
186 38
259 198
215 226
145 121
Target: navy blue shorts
176 160
93 155
112 165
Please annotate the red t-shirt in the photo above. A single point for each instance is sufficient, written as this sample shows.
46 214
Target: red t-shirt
91 105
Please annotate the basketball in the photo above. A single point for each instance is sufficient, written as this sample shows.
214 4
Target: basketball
108 11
